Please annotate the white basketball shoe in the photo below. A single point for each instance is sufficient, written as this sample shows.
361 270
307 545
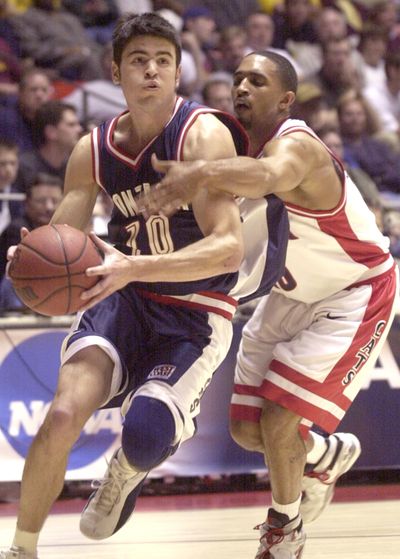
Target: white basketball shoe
281 542
113 502
17 553
318 487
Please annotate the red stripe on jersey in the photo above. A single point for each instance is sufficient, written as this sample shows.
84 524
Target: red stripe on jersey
321 417
362 252
245 413
171 300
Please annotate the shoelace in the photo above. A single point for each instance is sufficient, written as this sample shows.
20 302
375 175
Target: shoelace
110 488
272 536
323 476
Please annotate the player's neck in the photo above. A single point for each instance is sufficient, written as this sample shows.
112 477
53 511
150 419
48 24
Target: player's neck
260 133
141 125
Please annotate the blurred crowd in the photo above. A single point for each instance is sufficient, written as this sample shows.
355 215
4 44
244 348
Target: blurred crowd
55 85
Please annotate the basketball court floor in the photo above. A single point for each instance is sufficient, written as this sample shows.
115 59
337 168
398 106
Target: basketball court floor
362 523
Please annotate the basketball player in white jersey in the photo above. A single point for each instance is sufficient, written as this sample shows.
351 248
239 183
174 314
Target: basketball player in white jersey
309 345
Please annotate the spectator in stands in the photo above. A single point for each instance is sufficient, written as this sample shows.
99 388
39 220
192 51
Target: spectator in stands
232 47
374 156
10 68
98 100
339 72
57 131
42 197
217 93
294 24
198 43
391 226
260 35
310 107
330 135
372 48
384 14
56 39
384 97
9 209
234 12
97 16
16 118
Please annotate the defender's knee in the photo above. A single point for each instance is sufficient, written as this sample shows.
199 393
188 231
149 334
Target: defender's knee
246 434
278 424
148 433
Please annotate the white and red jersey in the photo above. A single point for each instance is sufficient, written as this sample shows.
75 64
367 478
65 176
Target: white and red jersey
330 250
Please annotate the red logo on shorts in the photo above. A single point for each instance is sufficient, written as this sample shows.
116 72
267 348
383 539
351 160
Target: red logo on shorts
363 353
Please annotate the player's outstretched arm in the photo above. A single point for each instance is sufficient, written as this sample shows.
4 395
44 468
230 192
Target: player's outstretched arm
80 190
284 166
219 252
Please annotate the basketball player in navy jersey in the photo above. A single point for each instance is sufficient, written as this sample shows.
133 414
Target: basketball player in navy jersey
157 324
307 349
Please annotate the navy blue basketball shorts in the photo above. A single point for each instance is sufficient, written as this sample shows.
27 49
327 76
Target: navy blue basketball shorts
164 351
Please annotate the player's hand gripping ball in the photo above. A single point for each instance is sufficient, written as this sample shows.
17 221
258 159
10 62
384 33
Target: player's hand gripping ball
48 269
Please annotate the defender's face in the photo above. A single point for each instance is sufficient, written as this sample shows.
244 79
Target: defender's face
257 92
148 69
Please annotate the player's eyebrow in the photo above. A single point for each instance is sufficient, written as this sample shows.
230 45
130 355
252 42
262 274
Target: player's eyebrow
145 52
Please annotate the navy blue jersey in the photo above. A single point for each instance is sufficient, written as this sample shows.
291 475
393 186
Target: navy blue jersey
123 177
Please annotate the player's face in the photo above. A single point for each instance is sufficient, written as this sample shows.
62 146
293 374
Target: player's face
258 96
8 166
148 70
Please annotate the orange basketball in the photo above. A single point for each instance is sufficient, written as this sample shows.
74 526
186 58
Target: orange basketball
48 269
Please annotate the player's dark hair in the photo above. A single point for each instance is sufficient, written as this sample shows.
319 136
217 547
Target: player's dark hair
287 73
49 114
149 24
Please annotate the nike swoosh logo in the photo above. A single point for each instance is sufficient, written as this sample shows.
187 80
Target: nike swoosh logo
333 317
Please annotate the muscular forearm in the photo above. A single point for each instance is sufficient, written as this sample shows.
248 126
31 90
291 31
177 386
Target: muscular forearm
212 256
75 210
242 176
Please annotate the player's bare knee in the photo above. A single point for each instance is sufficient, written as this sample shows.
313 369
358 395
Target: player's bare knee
278 423
246 434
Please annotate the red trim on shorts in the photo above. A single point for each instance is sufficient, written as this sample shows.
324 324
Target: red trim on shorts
171 300
246 390
379 277
240 412
297 405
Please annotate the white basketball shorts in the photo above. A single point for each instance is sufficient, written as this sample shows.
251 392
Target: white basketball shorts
313 358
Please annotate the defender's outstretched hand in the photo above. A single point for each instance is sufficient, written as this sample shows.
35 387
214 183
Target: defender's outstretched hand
179 186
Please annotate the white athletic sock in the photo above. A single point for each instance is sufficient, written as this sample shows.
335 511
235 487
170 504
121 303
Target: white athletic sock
291 509
26 540
318 450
